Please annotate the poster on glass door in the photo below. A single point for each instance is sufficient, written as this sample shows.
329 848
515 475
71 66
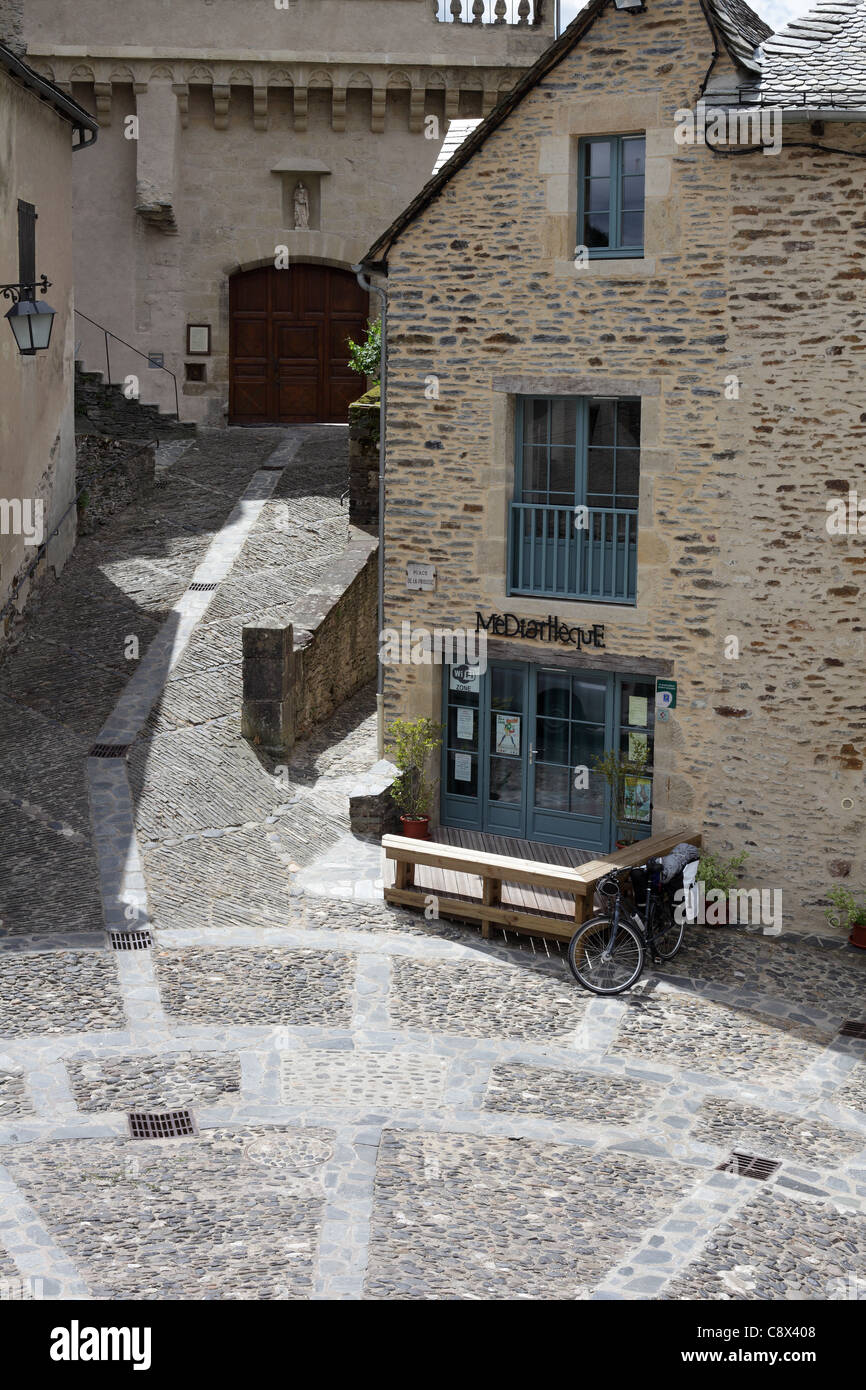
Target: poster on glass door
508 735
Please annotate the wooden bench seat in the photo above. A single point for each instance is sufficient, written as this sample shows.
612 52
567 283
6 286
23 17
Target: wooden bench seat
577 884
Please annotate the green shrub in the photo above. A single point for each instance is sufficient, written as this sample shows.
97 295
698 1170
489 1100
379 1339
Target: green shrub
848 911
413 741
366 358
720 873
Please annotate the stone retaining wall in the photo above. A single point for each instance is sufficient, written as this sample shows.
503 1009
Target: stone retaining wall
364 460
295 675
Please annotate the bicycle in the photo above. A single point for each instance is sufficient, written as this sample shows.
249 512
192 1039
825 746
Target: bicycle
607 954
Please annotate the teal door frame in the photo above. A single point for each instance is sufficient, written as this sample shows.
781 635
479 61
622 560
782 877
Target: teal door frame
478 807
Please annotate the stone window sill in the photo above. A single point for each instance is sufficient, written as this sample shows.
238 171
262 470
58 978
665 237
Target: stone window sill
641 268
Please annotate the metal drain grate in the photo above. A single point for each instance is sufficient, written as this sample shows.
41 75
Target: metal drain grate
109 750
853 1028
165 1124
749 1166
131 940
203 588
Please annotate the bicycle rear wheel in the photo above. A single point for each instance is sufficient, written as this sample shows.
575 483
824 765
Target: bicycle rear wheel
665 934
600 963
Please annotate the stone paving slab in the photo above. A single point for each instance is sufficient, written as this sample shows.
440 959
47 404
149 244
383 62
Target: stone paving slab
752 1129
468 998
264 987
229 1214
465 1216
64 685
58 992
49 773
188 700
166 1081
579 1095
779 1249
202 778
718 1039
227 877
62 896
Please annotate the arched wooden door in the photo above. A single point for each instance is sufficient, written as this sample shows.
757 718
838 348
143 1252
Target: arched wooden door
287 350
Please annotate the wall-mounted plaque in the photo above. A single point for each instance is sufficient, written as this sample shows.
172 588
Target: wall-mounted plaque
420 576
198 340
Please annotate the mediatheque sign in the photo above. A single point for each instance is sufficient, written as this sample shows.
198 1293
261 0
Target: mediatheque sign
540 629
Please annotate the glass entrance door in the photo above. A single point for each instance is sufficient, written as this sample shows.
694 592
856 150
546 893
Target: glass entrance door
573 725
520 747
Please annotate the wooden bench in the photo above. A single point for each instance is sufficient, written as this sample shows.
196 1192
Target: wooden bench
495 869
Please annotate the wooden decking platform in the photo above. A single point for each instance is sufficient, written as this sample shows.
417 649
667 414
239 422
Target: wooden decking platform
541 889
523 896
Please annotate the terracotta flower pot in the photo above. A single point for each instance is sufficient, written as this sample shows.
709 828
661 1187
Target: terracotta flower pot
417 827
857 936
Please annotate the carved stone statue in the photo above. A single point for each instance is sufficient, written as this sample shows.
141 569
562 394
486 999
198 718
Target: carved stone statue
302 208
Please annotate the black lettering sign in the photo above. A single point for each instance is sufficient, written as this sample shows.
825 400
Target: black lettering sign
510 625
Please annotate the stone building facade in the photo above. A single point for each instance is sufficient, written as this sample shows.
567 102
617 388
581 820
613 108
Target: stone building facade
212 116
735 334
38 126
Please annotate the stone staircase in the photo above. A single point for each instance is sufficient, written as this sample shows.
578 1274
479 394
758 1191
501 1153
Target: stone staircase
102 408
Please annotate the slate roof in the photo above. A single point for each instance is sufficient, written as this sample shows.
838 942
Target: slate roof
822 54
83 124
742 31
457 133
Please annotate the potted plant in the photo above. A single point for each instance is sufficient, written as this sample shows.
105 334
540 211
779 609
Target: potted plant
849 914
719 875
629 788
413 741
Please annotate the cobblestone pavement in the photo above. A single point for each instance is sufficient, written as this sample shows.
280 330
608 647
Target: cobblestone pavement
382 1107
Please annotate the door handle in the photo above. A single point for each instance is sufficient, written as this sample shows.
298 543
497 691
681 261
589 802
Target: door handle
531 754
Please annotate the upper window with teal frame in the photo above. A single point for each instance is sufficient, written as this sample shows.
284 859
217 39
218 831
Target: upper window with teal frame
610 195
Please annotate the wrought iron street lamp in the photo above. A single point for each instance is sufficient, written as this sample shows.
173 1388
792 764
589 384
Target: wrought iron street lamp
30 319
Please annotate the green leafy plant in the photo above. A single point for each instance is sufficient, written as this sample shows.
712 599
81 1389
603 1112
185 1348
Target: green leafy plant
846 911
366 358
619 771
716 872
413 741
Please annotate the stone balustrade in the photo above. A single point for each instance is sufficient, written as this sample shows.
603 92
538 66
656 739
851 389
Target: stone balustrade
515 12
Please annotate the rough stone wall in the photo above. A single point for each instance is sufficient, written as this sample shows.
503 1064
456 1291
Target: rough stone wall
295 675
114 474
337 654
483 294
364 460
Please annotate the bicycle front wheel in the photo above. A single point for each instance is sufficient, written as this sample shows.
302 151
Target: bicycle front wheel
666 933
602 963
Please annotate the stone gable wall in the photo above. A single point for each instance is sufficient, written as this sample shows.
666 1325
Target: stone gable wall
483 294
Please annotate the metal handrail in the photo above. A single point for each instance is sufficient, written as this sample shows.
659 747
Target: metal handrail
108 334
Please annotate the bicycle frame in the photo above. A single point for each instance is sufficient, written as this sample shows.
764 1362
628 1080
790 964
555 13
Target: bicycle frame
634 918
